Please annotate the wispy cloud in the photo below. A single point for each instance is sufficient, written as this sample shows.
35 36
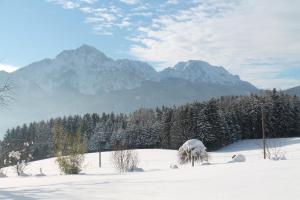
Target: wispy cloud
132 2
89 1
229 33
244 36
173 2
66 4
108 15
106 19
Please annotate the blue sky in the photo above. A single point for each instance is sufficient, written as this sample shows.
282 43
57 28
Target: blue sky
258 40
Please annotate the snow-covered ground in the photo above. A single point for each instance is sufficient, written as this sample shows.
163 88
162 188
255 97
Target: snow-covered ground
254 179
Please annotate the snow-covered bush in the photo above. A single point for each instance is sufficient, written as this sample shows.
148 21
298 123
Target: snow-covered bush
21 163
274 150
173 166
2 174
238 158
125 160
192 151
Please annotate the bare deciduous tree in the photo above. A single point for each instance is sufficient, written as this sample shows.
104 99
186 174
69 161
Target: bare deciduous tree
124 160
273 149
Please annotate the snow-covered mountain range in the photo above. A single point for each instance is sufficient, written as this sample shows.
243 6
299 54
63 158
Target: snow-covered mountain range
89 71
200 71
84 69
86 80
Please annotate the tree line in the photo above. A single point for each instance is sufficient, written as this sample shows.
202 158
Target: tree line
217 123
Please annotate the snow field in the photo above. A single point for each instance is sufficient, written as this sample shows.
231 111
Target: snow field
254 179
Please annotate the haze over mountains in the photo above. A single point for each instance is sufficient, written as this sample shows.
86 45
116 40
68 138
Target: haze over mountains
294 91
85 80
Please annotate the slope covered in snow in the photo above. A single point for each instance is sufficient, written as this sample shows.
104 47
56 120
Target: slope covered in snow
85 70
200 71
254 179
89 71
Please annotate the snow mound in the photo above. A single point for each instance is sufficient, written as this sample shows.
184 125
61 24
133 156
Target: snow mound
196 147
192 150
2 175
193 144
173 166
238 158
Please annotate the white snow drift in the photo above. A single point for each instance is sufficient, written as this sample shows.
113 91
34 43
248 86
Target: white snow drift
253 179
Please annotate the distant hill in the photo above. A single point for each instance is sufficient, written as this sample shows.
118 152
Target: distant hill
86 80
294 91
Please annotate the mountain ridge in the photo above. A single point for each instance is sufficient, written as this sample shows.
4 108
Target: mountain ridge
294 91
86 80
86 63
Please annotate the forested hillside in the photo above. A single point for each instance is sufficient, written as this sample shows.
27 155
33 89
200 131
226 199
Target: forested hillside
217 122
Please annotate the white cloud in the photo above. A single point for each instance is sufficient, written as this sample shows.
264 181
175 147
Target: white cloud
257 40
132 2
86 10
173 2
228 33
7 68
66 4
89 1
103 19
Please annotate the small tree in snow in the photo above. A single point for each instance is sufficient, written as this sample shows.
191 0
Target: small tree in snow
192 151
69 149
274 150
21 163
124 160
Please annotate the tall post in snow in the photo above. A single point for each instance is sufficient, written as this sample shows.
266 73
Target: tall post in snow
99 154
193 161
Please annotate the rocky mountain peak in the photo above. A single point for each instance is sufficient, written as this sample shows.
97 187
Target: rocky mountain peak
201 71
83 53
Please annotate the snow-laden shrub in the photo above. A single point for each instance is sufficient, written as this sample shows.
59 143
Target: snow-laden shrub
173 166
21 164
2 174
278 157
192 151
238 158
273 149
125 160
